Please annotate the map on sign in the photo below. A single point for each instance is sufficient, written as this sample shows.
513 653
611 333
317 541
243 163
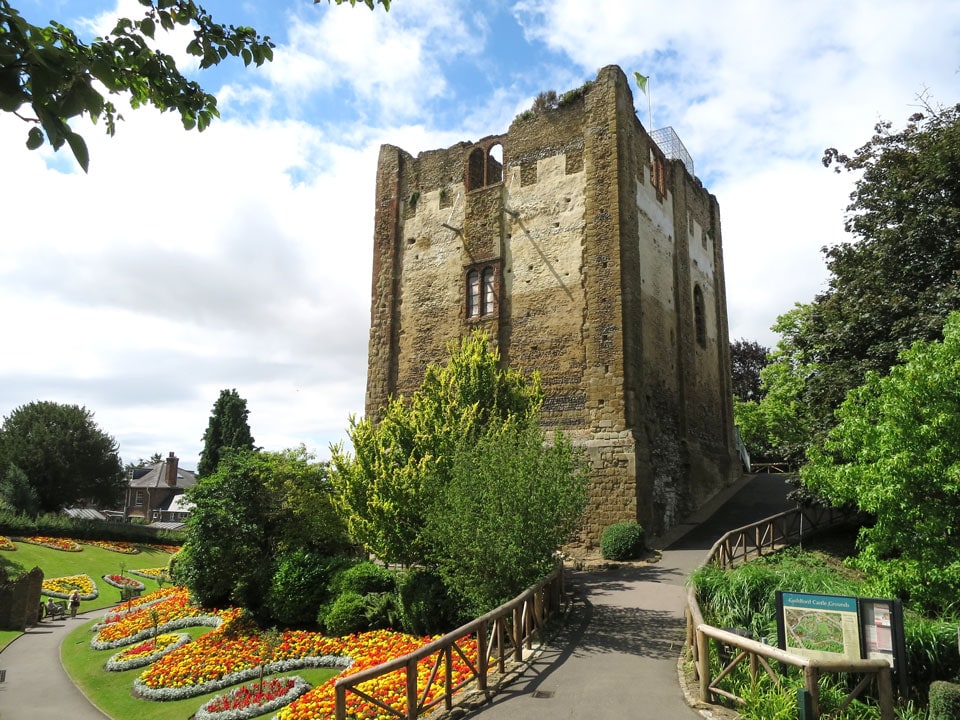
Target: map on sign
819 626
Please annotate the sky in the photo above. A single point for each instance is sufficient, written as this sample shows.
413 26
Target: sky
185 263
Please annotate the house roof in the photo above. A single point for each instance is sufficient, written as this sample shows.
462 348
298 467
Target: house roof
153 476
84 514
176 503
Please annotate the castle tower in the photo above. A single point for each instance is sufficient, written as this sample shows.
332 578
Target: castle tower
586 254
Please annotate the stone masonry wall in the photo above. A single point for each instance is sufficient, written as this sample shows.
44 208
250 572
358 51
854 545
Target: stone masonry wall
596 242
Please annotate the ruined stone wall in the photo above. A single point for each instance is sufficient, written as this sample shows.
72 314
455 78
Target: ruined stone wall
20 601
597 242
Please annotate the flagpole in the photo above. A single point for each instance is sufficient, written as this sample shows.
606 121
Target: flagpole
649 107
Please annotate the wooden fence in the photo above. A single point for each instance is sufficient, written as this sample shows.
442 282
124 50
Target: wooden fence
773 533
501 635
753 541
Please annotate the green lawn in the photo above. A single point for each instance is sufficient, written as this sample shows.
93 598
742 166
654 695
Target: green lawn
92 561
111 691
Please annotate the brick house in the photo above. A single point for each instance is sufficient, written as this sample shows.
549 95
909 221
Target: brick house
155 492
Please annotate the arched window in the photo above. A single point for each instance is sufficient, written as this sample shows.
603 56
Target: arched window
699 316
473 293
481 291
494 165
484 166
489 294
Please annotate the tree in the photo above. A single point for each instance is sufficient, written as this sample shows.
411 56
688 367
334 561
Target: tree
748 358
892 284
256 507
61 77
777 426
17 493
401 463
141 463
228 429
895 454
66 457
510 503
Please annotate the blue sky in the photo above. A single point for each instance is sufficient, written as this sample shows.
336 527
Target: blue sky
184 263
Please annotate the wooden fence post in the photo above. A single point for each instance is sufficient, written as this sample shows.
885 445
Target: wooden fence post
483 662
885 690
412 696
810 675
703 650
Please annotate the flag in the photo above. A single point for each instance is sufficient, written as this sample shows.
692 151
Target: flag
641 81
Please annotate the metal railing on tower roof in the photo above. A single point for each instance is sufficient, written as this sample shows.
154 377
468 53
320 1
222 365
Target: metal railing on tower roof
669 142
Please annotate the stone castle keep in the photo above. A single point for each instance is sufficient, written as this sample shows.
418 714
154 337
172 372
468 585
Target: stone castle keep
587 254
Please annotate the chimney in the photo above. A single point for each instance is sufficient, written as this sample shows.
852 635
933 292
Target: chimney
170 470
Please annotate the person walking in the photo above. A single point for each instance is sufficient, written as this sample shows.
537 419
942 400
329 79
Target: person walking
74 603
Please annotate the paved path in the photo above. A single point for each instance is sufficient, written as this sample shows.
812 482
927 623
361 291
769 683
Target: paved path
615 658
37 687
617 655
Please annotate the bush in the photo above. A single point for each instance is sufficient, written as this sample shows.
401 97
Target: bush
364 578
348 614
944 701
425 606
622 541
301 584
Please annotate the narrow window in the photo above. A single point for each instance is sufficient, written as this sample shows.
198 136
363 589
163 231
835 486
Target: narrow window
494 172
475 170
699 316
488 292
473 293
138 499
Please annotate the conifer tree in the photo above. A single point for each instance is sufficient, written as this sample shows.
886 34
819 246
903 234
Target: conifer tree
228 429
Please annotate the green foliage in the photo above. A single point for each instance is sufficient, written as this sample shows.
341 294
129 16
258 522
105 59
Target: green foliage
425 606
895 453
509 504
745 597
932 652
257 505
60 525
778 426
301 584
402 462
365 578
61 77
622 541
228 429
747 360
347 615
944 701
892 284
64 454
17 494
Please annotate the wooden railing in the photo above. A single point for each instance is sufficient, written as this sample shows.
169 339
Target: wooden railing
501 635
739 546
773 533
770 467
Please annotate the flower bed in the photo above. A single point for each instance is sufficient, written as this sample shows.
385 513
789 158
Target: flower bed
248 701
146 652
122 581
117 547
61 587
160 573
173 610
172 549
6 544
64 544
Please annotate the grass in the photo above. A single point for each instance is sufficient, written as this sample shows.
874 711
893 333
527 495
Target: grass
111 691
93 561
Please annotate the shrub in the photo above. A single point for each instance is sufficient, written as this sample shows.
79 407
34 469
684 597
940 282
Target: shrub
301 584
348 614
944 701
364 578
425 606
622 541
